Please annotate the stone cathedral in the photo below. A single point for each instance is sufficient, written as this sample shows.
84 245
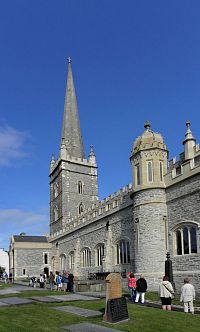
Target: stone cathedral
133 228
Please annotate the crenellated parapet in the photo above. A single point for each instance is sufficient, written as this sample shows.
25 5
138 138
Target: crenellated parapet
109 205
79 161
178 170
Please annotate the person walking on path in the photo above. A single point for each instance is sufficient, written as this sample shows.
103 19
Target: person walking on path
166 292
131 285
187 296
141 288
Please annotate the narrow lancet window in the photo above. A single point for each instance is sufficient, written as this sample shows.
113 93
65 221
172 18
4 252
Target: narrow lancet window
161 171
150 171
138 175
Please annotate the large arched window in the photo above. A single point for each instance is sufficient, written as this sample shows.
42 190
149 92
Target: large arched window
123 252
62 262
86 257
186 240
99 253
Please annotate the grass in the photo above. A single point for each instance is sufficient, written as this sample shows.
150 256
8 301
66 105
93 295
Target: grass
42 317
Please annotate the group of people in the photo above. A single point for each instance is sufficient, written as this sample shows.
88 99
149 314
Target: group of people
7 278
42 280
138 287
63 282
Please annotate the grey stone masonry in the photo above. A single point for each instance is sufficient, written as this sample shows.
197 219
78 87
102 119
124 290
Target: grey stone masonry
97 211
149 211
183 204
30 260
66 201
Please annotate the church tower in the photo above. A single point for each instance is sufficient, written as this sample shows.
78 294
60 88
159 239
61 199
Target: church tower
73 179
149 164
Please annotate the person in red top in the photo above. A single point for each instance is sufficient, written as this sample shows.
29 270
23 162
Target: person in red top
131 285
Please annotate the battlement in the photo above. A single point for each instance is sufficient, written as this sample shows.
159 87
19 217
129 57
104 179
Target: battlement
98 210
181 169
74 160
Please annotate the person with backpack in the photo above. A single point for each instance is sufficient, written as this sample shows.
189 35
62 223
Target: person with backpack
166 293
141 288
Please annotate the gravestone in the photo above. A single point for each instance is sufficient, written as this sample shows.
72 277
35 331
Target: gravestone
116 306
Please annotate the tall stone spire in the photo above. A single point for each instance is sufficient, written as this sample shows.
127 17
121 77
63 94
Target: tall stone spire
71 138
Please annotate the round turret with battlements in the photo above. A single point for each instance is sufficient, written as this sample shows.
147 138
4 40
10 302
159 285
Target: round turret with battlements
149 163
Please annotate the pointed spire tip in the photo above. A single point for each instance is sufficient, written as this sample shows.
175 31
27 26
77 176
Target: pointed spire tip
69 60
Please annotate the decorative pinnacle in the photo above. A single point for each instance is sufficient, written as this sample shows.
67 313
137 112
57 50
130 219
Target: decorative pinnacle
188 124
147 125
69 60
91 151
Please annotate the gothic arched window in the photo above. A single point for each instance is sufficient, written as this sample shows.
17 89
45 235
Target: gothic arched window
186 240
123 252
99 254
86 257
62 262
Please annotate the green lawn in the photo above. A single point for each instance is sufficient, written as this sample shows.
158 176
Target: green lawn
42 317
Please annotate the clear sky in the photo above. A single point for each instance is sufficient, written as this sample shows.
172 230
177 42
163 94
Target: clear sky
132 61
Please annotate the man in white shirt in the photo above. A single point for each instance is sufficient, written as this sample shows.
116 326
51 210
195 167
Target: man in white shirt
188 296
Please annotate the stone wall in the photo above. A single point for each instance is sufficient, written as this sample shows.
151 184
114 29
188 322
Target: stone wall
183 205
98 232
32 260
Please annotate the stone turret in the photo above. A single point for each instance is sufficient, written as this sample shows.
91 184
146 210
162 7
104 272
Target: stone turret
189 143
149 162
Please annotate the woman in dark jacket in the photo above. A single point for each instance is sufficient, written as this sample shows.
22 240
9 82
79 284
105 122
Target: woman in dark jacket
141 287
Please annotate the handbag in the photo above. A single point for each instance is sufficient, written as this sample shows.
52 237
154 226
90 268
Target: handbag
172 294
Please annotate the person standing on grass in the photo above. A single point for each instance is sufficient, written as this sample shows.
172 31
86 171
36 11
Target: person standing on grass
41 281
141 288
64 281
58 281
166 292
131 285
51 280
187 296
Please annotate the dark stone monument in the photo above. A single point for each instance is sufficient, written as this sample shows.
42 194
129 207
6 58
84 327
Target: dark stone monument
117 310
116 306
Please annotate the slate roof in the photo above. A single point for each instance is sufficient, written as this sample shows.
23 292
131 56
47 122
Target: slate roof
26 238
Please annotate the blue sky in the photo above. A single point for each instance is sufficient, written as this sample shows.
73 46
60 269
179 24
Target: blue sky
132 61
